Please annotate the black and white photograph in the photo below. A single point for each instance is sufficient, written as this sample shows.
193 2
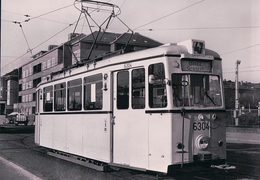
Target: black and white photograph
128 89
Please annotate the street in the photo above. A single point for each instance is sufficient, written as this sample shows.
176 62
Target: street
28 161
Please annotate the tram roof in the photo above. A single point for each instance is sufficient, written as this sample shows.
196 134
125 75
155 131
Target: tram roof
160 51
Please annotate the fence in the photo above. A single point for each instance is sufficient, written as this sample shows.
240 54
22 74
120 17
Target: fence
247 118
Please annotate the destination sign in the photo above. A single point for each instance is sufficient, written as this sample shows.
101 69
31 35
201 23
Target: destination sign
196 65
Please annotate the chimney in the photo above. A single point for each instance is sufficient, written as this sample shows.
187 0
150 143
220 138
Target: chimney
72 35
50 47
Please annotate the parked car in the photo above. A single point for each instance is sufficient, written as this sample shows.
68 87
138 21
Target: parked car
18 118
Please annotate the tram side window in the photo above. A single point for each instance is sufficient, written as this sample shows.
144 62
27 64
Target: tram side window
47 99
157 86
93 93
75 95
138 88
123 90
60 97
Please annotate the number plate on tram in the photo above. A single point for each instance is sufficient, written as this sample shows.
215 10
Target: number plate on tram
200 125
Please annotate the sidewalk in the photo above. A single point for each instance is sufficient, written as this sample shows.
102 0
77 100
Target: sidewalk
10 171
243 135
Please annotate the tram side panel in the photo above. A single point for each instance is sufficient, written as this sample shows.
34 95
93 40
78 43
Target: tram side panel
160 141
37 130
81 134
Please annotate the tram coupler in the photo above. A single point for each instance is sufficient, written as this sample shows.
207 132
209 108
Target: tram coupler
224 167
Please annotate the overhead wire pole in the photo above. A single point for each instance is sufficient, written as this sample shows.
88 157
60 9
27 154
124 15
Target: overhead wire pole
0 41
236 112
29 49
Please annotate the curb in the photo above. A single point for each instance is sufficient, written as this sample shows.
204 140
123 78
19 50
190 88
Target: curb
240 141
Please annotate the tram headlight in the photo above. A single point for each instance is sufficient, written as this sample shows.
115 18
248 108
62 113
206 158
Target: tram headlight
180 145
220 143
200 117
214 116
202 142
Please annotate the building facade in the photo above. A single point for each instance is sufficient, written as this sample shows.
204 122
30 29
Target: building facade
2 96
43 64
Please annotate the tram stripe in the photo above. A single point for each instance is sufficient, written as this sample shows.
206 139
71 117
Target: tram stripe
78 112
186 110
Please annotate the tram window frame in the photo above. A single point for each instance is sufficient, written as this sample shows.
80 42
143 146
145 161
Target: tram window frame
93 92
37 102
48 99
201 90
157 86
123 92
74 87
60 97
138 88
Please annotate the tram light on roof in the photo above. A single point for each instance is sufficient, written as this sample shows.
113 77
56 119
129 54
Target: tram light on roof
196 47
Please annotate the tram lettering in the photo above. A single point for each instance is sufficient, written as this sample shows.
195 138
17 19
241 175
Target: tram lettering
128 65
198 126
198 47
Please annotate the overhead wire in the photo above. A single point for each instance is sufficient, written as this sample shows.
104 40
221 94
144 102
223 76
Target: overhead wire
45 19
202 28
58 9
38 45
240 49
170 14
19 57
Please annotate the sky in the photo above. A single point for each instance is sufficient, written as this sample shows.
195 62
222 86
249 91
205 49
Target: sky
231 28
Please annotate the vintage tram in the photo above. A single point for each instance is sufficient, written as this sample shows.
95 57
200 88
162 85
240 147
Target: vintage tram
153 110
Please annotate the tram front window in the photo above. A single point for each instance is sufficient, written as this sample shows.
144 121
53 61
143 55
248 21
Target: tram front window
196 90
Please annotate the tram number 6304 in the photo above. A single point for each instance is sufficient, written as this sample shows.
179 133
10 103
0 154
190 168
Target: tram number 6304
197 126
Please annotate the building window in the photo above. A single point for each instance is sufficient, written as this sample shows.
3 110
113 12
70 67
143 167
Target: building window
34 96
26 98
93 93
47 98
30 71
60 97
75 95
54 62
19 99
36 82
33 110
138 88
157 87
123 90
37 68
30 84
48 63
30 98
44 65
20 87
26 72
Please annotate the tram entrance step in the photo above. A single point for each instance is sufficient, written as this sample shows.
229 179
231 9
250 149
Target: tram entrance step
99 166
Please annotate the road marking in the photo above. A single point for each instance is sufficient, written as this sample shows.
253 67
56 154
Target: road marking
24 172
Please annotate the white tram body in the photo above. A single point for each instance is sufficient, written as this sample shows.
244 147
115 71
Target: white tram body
151 110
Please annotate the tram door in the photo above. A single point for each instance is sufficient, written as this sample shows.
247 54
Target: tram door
130 129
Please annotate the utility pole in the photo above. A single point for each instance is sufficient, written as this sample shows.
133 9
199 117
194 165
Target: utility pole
236 94
0 38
